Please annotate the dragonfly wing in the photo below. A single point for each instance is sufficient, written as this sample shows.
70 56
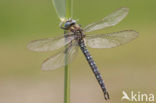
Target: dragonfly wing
58 60
110 40
108 21
60 8
49 44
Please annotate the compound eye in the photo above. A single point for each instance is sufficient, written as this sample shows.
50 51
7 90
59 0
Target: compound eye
67 24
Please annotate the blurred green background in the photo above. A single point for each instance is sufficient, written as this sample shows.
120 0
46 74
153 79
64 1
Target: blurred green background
129 67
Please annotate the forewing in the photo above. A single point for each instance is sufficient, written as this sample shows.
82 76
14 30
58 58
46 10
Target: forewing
108 21
110 40
49 44
58 60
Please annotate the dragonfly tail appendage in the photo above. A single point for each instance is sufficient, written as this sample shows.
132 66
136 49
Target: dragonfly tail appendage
94 68
106 96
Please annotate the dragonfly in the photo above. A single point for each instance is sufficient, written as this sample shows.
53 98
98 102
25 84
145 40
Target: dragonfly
77 37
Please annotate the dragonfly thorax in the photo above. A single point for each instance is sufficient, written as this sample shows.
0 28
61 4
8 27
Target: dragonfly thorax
71 26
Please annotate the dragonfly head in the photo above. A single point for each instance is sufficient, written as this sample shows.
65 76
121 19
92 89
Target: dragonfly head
69 23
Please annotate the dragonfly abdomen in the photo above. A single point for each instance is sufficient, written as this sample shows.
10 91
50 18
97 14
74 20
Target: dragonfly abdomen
93 67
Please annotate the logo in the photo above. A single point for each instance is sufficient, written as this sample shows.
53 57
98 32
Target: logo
137 97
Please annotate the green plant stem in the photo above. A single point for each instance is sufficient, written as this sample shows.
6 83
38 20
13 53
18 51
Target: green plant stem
67 83
68 8
66 77
67 70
